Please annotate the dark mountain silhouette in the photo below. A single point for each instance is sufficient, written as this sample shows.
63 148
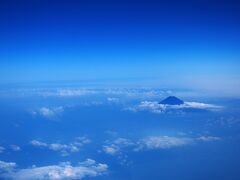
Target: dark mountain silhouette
172 100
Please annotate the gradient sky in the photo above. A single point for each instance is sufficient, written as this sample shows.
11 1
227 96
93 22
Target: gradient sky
165 43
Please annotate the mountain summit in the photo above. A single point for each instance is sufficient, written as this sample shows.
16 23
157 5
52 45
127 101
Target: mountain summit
172 100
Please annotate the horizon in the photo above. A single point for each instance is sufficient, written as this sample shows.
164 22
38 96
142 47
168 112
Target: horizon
183 44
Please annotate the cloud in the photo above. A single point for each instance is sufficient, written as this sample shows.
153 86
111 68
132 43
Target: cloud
6 166
15 147
166 142
64 149
161 142
38 143
123 142
48 112
62 171
199 105
116 147
113 100
155 107
2 149
226 121
111 149
208 138
74 92
80 92
137 92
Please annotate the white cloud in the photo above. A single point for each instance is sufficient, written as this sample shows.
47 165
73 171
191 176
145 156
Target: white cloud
62 171
1 149
65 149
137 92
38 143
161 142
74 92
15 147
48 112
208 138
116 147
199 105
6 166
123 142
155 107
113 100
81 91
111 149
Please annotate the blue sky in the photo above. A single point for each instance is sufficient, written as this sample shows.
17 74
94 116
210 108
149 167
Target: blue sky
181 44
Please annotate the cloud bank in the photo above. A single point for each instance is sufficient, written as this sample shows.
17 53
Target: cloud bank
116 147
155 107
62 171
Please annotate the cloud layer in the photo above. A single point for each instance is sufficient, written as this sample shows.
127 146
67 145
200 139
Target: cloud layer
155 107
115 147
62 171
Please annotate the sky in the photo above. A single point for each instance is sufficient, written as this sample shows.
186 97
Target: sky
180 44
82 85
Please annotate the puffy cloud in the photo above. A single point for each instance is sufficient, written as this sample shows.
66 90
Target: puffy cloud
62 171
155 107
111 149
38 143
65 149
48 112
114 147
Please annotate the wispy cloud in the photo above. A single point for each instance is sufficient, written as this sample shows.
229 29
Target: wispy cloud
208 138
161 142
116 147
84 91
113 100
15 147
64 149
75 92
62 171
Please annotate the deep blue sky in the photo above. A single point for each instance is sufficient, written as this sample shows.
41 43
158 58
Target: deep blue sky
168 43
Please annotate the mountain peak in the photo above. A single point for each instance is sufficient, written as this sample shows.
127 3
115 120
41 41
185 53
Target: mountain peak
172 100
